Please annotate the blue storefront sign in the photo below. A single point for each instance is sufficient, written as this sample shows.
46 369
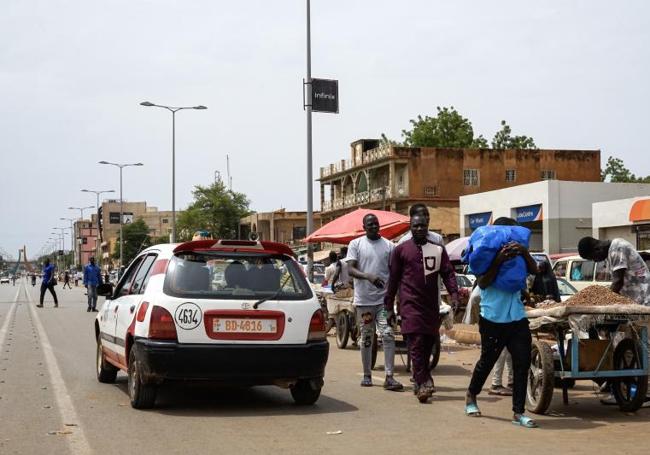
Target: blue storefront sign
479 219
528 213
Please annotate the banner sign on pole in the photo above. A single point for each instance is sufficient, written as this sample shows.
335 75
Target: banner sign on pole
325 95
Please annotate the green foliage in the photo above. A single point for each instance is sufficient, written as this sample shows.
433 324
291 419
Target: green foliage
503 139
215 209
136 239
448 129
616 172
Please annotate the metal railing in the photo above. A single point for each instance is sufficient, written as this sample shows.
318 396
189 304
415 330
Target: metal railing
368 157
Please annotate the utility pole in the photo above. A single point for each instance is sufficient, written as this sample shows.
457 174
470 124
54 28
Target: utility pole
310 188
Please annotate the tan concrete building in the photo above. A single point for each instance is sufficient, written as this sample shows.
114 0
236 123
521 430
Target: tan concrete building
159 222
277 226
394 178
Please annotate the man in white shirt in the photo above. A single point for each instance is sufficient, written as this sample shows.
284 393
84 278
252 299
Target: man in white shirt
368 259
420 209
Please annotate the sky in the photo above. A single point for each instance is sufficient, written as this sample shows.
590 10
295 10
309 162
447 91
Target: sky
571 74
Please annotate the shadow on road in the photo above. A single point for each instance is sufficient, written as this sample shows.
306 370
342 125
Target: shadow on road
205 400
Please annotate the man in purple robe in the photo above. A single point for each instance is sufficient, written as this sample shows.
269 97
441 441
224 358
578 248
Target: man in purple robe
415 266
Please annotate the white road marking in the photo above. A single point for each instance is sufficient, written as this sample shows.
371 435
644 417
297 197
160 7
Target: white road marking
77 440
9 317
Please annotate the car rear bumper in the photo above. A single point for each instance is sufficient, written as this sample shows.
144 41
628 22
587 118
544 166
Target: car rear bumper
249 364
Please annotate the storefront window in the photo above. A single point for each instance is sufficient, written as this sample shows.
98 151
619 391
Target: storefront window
643 240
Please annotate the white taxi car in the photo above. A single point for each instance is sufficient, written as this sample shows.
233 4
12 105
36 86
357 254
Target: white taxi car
230 311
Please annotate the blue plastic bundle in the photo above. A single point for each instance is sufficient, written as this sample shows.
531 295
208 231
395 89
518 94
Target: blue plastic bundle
483 247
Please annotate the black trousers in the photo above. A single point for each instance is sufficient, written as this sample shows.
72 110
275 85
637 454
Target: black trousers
45 287
494 337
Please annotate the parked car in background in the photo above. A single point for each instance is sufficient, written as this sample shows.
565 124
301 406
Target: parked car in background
5 279
565 288
580 273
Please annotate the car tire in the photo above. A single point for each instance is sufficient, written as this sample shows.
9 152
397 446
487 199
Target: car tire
106 373
541 374
305 393
142 396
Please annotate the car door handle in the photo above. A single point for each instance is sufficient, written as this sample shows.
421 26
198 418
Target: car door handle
132 309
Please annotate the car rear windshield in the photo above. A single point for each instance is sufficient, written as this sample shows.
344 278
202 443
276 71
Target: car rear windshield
219 275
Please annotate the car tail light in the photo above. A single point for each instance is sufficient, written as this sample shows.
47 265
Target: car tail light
142 311
317 326
161 324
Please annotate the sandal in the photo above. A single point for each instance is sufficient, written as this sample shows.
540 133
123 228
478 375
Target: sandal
500 390
525 422
472 410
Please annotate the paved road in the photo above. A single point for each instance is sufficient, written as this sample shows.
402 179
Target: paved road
51 403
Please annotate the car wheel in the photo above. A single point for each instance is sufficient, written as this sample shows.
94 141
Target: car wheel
106 372
539 388
142 395
305 392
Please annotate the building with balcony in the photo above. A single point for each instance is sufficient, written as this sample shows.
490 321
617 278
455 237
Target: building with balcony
394 178
86 241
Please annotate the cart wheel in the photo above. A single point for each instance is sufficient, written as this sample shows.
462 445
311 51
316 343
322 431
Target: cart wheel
435 354
541 375
630 392
375 348
342 329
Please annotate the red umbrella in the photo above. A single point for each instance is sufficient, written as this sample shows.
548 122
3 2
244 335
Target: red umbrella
350 226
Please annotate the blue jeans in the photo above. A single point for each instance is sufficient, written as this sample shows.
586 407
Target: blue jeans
92 296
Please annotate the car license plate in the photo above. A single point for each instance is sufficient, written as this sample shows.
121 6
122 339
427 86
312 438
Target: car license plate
244 325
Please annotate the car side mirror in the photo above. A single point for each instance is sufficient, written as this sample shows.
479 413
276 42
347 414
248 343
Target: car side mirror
105 290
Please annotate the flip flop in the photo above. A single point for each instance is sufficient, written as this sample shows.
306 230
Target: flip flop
471 410
525 422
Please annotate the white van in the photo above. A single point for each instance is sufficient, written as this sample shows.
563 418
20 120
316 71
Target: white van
581 273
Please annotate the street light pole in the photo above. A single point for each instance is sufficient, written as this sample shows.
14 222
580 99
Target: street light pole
173 110
98 237
121 166
310 196
72 238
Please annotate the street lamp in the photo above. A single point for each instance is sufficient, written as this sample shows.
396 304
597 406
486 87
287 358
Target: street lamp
121 166
61 236
81 211
72 238
173 110
97 239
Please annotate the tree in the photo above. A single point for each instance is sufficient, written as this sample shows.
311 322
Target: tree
504 140
615 171
448 129
136 239
215 209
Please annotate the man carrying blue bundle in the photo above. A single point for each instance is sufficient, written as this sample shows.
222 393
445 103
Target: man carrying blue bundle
503 322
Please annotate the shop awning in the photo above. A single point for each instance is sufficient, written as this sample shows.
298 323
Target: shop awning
640 210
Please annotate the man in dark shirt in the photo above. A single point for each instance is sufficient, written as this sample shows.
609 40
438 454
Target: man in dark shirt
415 266
48 283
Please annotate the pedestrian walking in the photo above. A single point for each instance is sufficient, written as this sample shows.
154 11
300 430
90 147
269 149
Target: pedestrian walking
48 282
503 324
92 279
368 260
66 280
13 279
415 268
33 279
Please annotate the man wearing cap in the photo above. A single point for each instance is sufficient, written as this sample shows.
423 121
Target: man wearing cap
92 279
